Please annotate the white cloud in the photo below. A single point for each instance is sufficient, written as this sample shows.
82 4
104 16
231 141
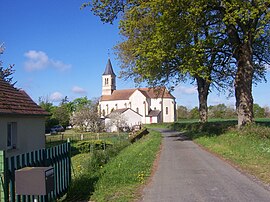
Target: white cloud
78 90
186 90
56 97
38 60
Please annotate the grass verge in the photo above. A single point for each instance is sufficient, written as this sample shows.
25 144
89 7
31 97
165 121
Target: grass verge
121 178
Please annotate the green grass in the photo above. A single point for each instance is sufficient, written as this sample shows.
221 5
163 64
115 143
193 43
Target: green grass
120 179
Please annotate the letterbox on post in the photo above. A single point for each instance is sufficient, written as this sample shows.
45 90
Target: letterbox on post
34 181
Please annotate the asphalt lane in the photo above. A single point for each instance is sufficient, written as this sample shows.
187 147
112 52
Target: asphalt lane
187 173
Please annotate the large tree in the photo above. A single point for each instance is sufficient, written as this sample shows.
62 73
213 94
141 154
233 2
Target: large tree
184 32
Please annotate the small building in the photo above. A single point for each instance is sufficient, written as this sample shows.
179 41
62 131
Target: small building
22 121
154 105
123 119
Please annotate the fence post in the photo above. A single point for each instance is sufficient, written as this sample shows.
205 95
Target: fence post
2 176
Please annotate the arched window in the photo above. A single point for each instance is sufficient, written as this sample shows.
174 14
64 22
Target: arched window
103 112
137 110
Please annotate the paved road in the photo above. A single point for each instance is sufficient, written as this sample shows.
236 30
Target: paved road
187 173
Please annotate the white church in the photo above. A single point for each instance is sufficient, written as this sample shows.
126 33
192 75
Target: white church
138 105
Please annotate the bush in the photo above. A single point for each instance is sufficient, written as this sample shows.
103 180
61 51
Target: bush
210 128
85 146
100 157
255 130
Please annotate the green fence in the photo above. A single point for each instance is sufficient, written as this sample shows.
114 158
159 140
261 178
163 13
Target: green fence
58 157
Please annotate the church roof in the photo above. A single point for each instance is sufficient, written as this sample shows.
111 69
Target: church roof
17 102
109 69
147 92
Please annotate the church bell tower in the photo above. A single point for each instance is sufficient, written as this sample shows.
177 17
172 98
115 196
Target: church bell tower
108 80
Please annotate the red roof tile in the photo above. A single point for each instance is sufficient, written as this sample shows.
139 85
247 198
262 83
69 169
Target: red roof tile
147 92
14 101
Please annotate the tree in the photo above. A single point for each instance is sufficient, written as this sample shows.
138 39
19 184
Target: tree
86 117
258 111
61 113
50 121
241 29
182 112
194 113
6 73
161 47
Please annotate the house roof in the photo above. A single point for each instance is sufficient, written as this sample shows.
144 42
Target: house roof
16 102
153 93
109 69
120 111
154 113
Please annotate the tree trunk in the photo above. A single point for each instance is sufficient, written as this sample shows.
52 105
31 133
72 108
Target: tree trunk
243 85
203 90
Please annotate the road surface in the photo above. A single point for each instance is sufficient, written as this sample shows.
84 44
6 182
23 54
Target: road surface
187 173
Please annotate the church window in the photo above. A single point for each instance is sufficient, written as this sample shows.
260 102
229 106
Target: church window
137 110
116 106
103 112
167 110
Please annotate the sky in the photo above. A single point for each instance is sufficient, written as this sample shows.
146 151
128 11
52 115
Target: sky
60 50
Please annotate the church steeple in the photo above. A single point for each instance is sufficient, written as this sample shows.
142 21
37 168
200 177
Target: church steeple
108 79
109 69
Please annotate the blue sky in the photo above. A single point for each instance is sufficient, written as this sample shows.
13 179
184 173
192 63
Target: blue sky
59 50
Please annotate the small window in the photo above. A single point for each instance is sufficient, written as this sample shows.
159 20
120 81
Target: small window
137 110
103 112
11 135
167 110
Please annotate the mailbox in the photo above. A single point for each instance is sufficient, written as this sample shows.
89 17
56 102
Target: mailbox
34 180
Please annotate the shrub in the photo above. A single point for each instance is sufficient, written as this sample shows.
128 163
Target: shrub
85 146
255 130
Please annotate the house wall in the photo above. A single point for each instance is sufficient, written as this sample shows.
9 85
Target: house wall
131 118
30 134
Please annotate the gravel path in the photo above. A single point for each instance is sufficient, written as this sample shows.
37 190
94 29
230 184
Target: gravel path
185 172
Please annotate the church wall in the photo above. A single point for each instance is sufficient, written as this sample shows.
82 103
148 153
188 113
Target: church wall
168 110
139 103
108 106
156 104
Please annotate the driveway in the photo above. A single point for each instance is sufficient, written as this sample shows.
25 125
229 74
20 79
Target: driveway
186 172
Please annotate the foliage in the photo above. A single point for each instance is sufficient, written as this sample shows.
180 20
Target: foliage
215 41
87 146
6 73
62 114
87 119
258 111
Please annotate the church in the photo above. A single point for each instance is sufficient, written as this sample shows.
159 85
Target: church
141 105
